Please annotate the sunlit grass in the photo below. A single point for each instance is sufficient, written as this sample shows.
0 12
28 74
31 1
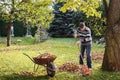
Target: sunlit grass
12 61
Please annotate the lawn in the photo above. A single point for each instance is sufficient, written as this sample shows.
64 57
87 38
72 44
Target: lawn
13 64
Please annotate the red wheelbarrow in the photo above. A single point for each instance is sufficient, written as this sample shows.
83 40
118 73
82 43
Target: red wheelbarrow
45 60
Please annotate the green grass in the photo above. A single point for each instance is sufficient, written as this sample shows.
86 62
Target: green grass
12 61
18 40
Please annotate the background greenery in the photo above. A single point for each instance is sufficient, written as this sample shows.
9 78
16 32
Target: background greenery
59 24
64 22
19 29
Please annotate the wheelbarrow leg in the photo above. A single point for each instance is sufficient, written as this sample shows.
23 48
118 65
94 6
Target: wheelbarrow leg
36 68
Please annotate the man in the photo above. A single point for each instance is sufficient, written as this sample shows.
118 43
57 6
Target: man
86 41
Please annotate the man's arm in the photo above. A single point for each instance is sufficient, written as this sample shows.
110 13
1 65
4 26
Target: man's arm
89 32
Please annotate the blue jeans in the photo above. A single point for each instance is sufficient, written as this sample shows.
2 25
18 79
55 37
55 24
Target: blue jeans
88 55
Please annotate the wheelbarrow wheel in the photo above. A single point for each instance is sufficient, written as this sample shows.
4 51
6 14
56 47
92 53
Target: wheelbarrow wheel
50 69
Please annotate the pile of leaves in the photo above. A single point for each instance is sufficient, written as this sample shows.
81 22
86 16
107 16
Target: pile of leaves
97 57
44 58
71 67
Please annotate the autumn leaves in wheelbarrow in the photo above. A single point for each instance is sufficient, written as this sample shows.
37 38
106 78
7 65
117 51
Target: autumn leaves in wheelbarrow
47 60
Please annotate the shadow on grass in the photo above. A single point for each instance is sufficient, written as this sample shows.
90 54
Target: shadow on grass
22 77
98 75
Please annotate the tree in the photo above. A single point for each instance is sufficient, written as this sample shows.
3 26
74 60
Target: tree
64 22
60 26
7 13
35 12
112 33
112 56
89 11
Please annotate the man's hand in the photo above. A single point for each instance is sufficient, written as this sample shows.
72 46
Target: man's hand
78 42
75 35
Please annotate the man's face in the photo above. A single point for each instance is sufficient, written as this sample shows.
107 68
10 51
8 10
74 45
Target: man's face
82 29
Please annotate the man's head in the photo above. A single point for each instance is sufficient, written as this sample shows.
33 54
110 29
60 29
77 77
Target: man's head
82 26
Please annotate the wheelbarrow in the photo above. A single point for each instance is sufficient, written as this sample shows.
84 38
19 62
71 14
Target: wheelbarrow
46 62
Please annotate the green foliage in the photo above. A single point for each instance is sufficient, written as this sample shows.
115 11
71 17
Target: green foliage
97 25
59 29
8 9
2 28
62 23
89 11
36 12
41 35
19 29
87 6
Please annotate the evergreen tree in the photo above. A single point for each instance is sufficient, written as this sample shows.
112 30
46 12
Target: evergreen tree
62 23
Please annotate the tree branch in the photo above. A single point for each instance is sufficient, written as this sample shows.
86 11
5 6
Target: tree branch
105 7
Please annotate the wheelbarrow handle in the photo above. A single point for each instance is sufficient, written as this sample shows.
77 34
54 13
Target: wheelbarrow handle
29 57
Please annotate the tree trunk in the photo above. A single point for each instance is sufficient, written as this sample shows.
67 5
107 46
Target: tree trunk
111 60
8 27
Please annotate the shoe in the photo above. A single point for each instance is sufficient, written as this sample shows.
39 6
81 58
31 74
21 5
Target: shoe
90 71
85 70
